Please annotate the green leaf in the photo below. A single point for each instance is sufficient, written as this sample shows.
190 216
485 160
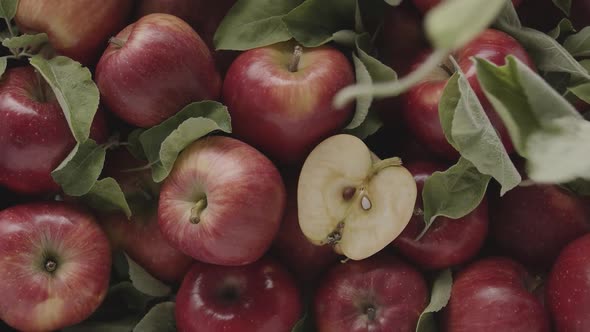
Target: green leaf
370 125
3 65
547 53
564 5
565 26
134 145
164 142
26 41
393 2
582 91
254 23
545 128
74 89
8 9
120 325
159 319
579 44
314 22
453 193
453 23
106 195
440 295
79 171
579 187
468 129
363 102
144 282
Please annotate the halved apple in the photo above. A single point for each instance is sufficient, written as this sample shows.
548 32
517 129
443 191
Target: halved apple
350 199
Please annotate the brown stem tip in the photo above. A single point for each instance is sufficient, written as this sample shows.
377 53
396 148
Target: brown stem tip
294 65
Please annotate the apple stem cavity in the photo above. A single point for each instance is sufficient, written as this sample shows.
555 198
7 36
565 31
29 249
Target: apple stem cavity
197 209
117 42
297 53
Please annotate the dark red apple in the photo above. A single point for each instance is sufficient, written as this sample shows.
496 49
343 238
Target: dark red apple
259 297
55 266
153 68
426 5
381 293
448 242
34 133
420 103
306 260
140 236
280 101
568 287
203 15
492 295
77 29
533 223
222 203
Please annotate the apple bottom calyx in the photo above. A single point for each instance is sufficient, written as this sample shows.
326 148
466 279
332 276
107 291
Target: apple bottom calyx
359 197
197 209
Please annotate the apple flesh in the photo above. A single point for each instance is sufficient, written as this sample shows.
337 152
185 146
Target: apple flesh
77 29
568 287
381 293
34 133
306 260
349 199
140 236
533 223
222 202
259 297
280 100
420 103
492 295
448 242
155 67
55 266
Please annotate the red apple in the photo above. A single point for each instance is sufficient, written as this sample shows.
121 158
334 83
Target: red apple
203 15
420 103
34 133
568 287
381 293
222 202
140 237
492 295
77 29
259 297
533 223
305 259
280 101
426 5
153 68
55 266
448 242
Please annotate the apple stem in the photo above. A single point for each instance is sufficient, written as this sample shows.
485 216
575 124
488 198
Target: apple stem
50 265
197 209
294 65
117 42
385 163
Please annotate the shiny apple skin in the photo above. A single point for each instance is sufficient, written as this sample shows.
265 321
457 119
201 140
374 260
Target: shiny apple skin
420 103
34 299
203 15
266 298
245 202
78 29
140 237
286 114
426 5
163 66
490 295
533 223
448 242
568 287
396 291
306 260
34 134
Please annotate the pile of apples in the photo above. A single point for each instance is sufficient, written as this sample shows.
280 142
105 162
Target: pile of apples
287 223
